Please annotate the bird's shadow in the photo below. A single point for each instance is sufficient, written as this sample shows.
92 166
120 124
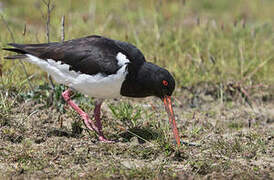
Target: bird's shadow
143 134
63 133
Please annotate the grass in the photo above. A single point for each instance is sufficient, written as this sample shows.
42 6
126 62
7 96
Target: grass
195 51
221 55
128 114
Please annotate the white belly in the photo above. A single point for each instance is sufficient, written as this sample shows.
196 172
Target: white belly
92 85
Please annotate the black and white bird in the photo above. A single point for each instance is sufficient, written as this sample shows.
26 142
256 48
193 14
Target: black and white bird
102 68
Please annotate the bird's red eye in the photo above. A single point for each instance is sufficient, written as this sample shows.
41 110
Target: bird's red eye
165 83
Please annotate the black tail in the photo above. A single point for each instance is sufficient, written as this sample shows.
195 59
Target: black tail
34 49
20 55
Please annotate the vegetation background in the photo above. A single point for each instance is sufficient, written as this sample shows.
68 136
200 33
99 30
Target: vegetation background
221 54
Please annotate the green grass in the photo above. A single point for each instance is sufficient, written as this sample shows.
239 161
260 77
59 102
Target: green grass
230 41
216 50
127 113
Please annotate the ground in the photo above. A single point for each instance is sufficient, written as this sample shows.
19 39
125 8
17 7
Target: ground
231 140
221 55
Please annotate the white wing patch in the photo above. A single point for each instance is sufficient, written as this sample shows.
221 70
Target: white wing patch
122 59
98 85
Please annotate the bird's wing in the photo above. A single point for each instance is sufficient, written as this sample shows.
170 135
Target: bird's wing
89 55
133 53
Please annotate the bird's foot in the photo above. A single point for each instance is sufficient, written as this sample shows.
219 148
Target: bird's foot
105 140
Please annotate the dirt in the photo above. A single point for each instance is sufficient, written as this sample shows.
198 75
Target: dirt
233 141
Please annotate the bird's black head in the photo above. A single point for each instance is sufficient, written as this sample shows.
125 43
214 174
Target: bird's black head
164 83
149 80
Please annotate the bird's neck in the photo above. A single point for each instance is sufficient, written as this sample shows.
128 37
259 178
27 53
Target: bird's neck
139 81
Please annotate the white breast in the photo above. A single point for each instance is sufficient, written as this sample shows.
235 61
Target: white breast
98 85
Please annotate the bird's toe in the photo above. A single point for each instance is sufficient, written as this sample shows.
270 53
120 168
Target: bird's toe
105 140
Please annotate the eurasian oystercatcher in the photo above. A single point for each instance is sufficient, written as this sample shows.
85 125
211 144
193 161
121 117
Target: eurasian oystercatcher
102 68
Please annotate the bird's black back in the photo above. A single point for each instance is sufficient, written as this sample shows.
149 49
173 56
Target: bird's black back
89 55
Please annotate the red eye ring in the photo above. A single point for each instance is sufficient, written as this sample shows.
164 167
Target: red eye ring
165 83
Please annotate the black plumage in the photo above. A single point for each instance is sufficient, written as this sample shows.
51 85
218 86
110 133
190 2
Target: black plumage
89 55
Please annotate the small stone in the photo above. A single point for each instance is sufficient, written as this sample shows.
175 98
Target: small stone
134 140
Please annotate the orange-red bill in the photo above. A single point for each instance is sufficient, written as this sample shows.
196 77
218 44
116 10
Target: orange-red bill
169 110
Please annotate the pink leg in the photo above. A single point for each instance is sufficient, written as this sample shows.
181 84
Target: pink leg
90 125
97 114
